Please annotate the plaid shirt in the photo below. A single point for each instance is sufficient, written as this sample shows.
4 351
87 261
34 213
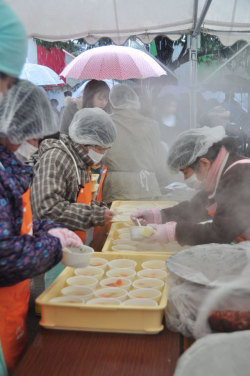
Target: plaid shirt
54 188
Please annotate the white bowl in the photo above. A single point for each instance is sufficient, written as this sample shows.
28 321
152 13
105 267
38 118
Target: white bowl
150 247
77 256
141 232
122 263
67 299
124 242
111 292
145 302
122 273
81 280
152 273
149 283
104 301
90 271
148 293
125 236
123 283
123 230
78 291
98 262
154 264
123 248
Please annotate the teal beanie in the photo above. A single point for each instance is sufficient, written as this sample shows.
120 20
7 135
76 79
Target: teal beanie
13 42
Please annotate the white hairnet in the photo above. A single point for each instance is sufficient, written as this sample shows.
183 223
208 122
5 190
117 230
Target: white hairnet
123 96
92 126
26 113
192 144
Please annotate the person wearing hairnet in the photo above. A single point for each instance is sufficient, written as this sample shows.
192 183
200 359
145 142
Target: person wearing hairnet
61 187
28 247
137 161
209 162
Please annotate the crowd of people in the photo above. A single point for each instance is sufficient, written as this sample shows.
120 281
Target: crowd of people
52 201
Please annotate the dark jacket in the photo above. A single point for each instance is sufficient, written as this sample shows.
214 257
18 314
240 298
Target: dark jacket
232 216
21 256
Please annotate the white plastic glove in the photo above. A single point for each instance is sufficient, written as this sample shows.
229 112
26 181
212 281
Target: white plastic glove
163 233
147 216
67 238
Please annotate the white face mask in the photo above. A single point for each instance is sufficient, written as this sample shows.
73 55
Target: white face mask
169 121
194 182
26 150
96 157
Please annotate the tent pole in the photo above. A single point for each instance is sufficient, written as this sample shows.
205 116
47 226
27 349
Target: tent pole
202 17
224 64
193 44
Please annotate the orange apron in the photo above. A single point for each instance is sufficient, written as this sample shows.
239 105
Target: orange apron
85 196
212 208
14 303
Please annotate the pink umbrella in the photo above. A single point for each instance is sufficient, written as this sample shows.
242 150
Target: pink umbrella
115 62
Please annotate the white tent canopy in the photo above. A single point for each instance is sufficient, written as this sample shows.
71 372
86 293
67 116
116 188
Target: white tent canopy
119 19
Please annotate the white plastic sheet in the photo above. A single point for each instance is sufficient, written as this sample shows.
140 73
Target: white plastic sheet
217 355
199 272
93 19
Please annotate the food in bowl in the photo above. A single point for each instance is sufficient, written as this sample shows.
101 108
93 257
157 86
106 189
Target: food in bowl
141 232
122 273
122 263
77 256
98 262
148 293
82 281
152 273
149 283
123 283
79 291
111 292
91 271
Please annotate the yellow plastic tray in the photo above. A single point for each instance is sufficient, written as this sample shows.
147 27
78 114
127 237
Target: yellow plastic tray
113 235
117 207
96 318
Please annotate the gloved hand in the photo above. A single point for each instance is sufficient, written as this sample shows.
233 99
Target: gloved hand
147 216
108 215
67 238
163 233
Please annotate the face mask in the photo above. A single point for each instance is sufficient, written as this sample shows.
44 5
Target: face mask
169 121
26 150
96 157
193 182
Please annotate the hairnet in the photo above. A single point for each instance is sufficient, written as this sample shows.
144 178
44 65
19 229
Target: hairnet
123 96
192 144
92 126
26 113
13 42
